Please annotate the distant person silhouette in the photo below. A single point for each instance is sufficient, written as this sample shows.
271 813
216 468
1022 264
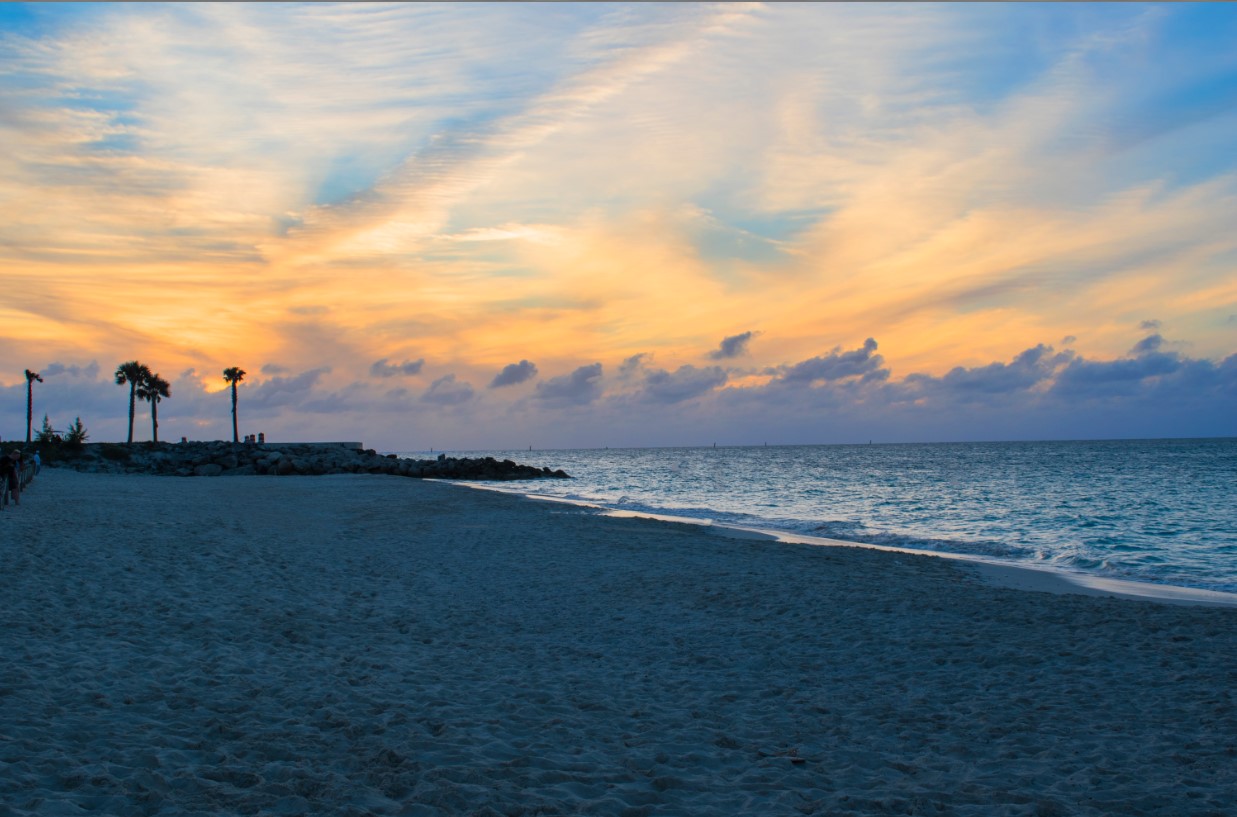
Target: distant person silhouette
10 474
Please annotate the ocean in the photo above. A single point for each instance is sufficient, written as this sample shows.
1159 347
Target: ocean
1159 511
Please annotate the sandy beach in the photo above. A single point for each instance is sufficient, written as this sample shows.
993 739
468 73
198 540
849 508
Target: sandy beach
353 645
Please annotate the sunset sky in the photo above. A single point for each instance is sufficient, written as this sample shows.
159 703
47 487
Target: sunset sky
500 225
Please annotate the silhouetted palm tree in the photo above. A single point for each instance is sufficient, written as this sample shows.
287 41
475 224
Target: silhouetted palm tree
153 389
234 375
30 378
134 374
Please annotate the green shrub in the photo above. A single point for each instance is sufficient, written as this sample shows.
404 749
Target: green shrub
76 436
47 435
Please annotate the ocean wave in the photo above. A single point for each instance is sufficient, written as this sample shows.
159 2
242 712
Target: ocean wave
1099 508
850 531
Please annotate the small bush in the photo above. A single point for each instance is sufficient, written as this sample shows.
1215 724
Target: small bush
47 435
75 437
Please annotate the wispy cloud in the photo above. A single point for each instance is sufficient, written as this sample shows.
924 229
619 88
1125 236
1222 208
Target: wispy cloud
415 200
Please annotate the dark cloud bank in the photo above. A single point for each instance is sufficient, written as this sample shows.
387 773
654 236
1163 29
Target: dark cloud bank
843 395
579 388
447 391
851 396
514 374
732 347
381 368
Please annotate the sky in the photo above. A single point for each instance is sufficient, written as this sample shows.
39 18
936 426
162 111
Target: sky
496 226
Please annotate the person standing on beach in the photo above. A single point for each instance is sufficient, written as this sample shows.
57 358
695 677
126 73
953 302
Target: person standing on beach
10 473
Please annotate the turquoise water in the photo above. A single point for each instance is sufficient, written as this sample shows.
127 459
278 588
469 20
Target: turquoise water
1162 511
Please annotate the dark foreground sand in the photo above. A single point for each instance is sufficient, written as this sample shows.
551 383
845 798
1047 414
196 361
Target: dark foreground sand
375 645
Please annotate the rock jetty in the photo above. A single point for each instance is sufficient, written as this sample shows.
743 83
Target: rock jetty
214 459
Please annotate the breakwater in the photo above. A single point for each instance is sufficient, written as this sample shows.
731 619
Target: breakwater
212 459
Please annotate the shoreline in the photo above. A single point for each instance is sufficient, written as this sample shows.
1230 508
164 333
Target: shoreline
1012 575
356 644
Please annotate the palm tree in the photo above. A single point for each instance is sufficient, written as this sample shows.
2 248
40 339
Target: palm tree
134 374
153 389
30 378
234 375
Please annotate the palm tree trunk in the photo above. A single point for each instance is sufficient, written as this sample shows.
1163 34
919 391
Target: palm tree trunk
29 407
236 437
132 400
154 420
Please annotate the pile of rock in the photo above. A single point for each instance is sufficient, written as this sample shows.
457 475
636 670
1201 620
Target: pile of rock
212 459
